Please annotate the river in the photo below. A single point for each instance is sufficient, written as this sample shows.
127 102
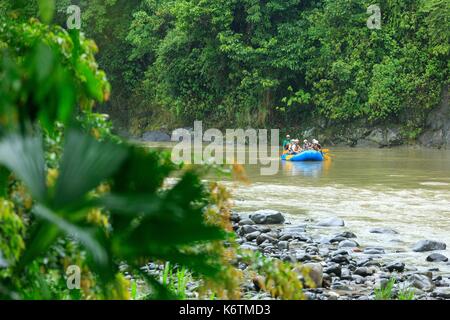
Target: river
405 189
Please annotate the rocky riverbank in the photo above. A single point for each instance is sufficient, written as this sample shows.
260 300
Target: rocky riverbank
341 267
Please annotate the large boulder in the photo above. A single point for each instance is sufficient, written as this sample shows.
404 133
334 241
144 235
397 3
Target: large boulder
380 137
393 137
437 131
331 222
267 217
376 137
428 245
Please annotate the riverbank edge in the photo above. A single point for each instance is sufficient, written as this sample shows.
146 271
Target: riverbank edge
340 268
354 137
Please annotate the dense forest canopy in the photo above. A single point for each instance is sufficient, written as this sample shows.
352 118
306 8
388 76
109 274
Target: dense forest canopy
269 62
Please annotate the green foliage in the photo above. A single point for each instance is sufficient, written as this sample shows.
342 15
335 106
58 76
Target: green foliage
248 62
385 292
280 279
74 177
175 279
12 231
406 294
60 64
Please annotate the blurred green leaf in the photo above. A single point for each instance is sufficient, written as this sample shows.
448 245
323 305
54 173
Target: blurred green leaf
85 164
93 85
4 175
46 10
142 172
25 157
82 234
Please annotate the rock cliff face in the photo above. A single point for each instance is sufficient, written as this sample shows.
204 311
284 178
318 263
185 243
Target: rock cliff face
361 134
437 133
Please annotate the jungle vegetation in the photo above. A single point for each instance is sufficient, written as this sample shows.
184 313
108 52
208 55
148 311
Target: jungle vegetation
74 197
259 63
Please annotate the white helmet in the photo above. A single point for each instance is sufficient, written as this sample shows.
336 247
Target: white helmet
315 141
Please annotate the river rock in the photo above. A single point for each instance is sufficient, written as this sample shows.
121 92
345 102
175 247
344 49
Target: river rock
246 221
338 285
333 269
421 282
249 229
397 266
249 246
372 250
155 136
428 245
376 137
346 234
340 259
346 274
265 237
285 237
283 245
382 138
294 232
235 217
331 222
383 231
267 217
437 257
363 271
443 293
302 257
315 273
265 229
252 236
348 244
294 229
337 239
342 252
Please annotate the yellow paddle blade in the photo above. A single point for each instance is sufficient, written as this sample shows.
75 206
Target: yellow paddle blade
328 156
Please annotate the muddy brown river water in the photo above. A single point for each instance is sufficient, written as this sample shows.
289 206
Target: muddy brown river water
404 189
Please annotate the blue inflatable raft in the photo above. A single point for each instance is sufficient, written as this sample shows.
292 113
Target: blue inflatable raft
309 155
